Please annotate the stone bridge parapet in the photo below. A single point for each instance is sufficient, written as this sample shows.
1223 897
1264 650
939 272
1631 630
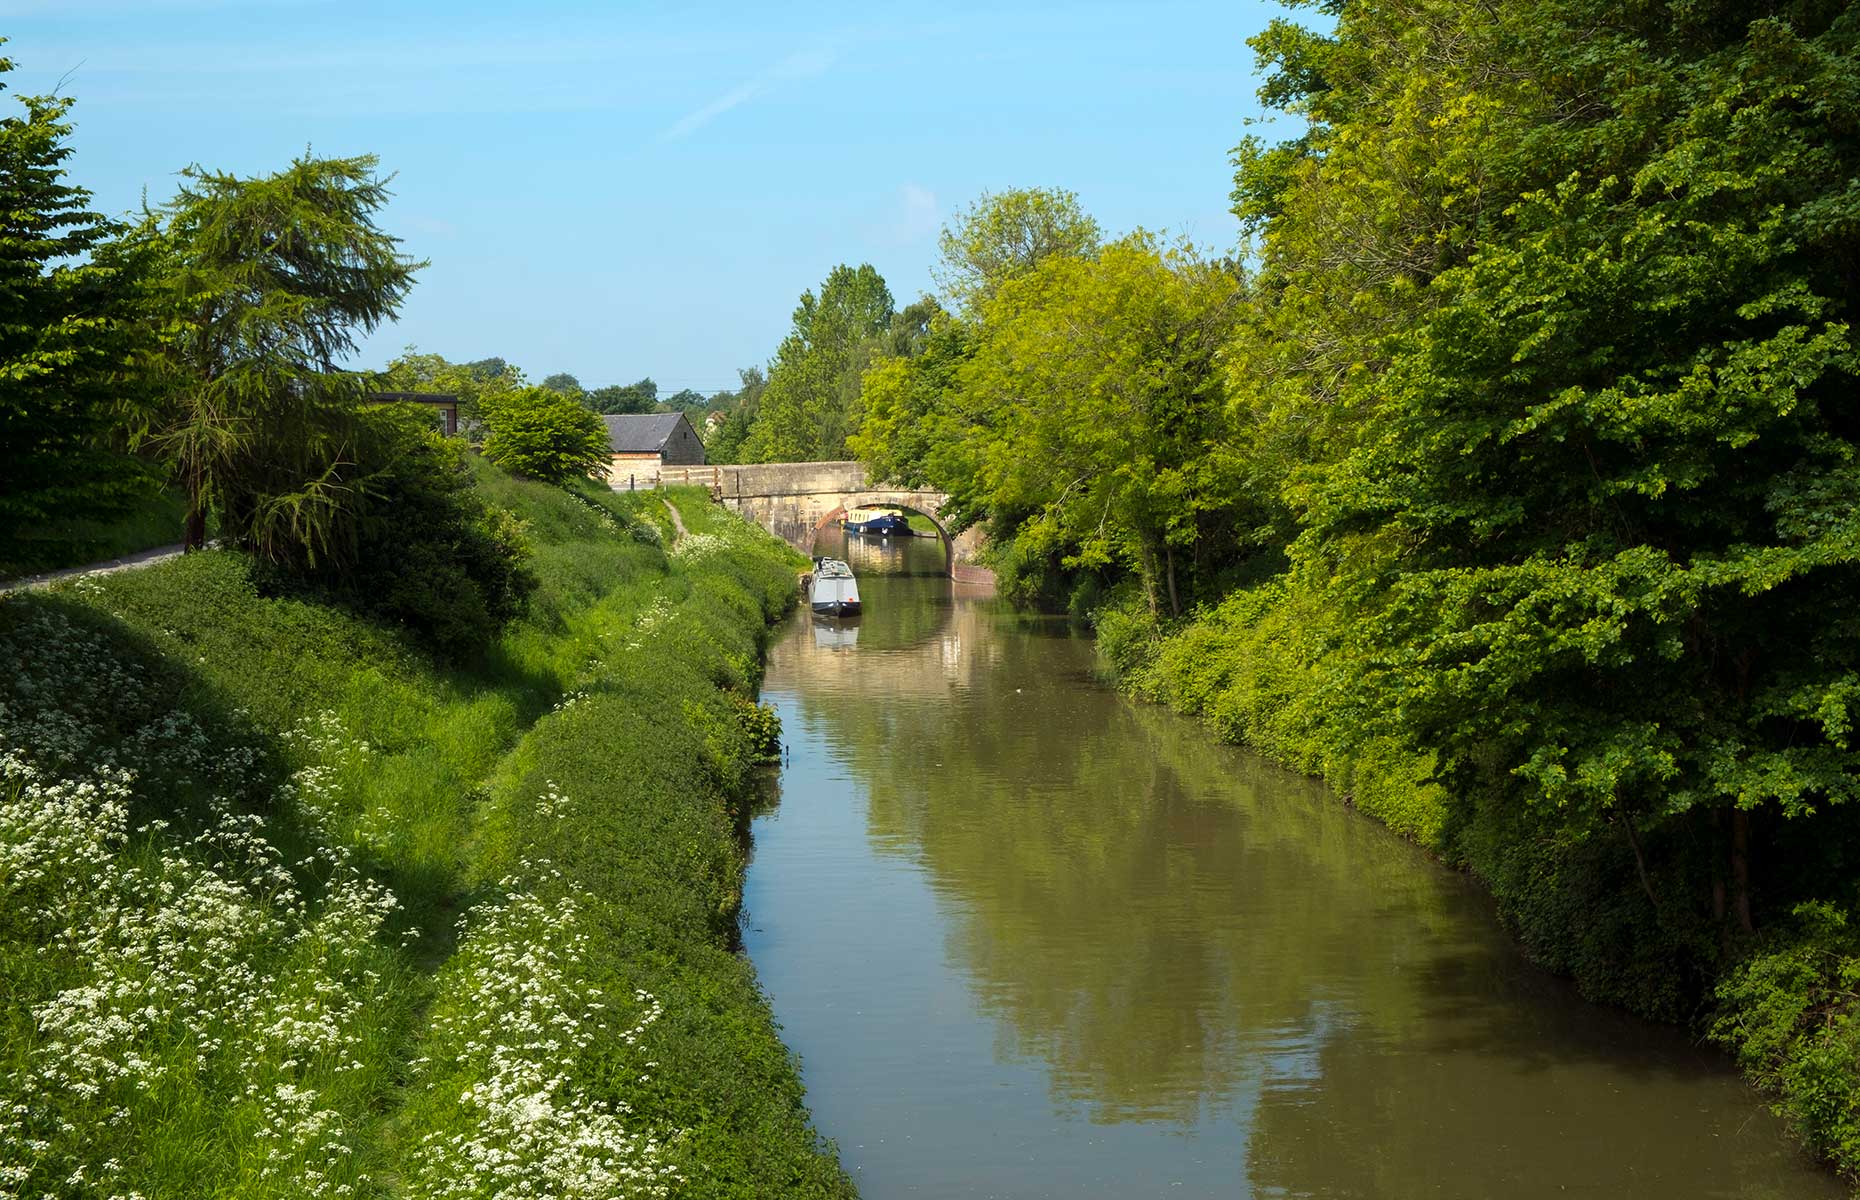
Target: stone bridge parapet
795 501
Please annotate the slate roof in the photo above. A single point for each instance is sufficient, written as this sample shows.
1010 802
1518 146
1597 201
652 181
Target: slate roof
640 433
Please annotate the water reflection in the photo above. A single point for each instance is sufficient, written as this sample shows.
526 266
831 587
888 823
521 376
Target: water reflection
836 633
1032 940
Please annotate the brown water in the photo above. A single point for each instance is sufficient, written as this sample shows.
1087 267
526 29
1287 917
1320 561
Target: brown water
1030 939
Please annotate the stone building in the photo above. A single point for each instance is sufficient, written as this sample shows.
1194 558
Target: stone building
641 443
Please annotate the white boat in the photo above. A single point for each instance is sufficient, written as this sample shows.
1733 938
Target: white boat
835 591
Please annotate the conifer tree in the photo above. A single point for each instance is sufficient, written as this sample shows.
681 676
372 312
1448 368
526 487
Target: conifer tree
66 338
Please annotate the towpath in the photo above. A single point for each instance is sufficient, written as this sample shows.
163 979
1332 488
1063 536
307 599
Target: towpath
127 562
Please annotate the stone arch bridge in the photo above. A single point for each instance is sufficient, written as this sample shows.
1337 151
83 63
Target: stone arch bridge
796 501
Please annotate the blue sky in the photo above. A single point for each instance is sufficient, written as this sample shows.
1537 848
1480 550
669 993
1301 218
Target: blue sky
619 190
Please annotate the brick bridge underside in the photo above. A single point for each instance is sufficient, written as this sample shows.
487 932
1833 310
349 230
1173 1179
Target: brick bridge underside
796 501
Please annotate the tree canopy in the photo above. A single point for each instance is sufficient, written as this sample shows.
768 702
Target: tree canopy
811 402
1005 233
541 433
70 338
265 285
639 397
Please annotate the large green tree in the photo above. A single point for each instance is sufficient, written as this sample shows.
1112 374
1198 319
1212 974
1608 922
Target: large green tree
1003 234
1592 531
811 403
541 433
69 337
639 397
267 284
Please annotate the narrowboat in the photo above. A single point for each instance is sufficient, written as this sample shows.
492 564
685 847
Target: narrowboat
835 593
877 521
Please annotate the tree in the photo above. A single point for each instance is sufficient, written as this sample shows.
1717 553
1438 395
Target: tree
429 552
564 383
69 334
267 283
912 431
470 382
1621 585
489 369
811 403
688 401
1099 419
1003 234
740 408
639 397
545 435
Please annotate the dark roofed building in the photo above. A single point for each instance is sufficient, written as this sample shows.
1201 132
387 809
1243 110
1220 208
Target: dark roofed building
446 406
641 443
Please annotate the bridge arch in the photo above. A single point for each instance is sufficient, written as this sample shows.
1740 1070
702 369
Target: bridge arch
917 502
794 501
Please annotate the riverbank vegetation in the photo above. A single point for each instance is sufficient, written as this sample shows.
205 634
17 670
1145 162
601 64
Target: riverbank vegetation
296 907
1507 481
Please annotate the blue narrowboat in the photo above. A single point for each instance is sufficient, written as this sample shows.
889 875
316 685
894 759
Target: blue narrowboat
880 523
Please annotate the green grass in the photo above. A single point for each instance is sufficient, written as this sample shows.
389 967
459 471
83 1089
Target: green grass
571 803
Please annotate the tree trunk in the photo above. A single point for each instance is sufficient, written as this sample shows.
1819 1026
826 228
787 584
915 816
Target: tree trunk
1718 909
194 533
1640 863
1740 868
1175 602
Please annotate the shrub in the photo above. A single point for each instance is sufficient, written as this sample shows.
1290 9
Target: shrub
430 551
1791 1013
544 435
419 545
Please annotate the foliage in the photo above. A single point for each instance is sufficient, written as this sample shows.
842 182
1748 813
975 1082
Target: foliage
639 397
810 404
741 408
265 284
427 550
563 383
313 807
73 541
470 382
694 404
1003 234
1792 1014
545 435
907 433
69 337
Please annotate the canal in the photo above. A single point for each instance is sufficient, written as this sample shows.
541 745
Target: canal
1030 939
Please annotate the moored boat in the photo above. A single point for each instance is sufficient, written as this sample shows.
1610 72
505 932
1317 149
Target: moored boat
876 521
835 592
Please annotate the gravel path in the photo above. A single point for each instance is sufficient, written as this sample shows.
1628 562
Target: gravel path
128 562
678 522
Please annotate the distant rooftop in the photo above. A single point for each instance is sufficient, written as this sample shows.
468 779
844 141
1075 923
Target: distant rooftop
421 397
640 433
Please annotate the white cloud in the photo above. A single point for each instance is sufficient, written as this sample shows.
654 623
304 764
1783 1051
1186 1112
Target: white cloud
917 216
804 65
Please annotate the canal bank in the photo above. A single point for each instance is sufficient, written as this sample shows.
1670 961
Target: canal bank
1029 939
292 906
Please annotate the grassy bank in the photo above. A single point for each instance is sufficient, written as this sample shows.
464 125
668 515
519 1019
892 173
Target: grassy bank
1622 916
292 908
